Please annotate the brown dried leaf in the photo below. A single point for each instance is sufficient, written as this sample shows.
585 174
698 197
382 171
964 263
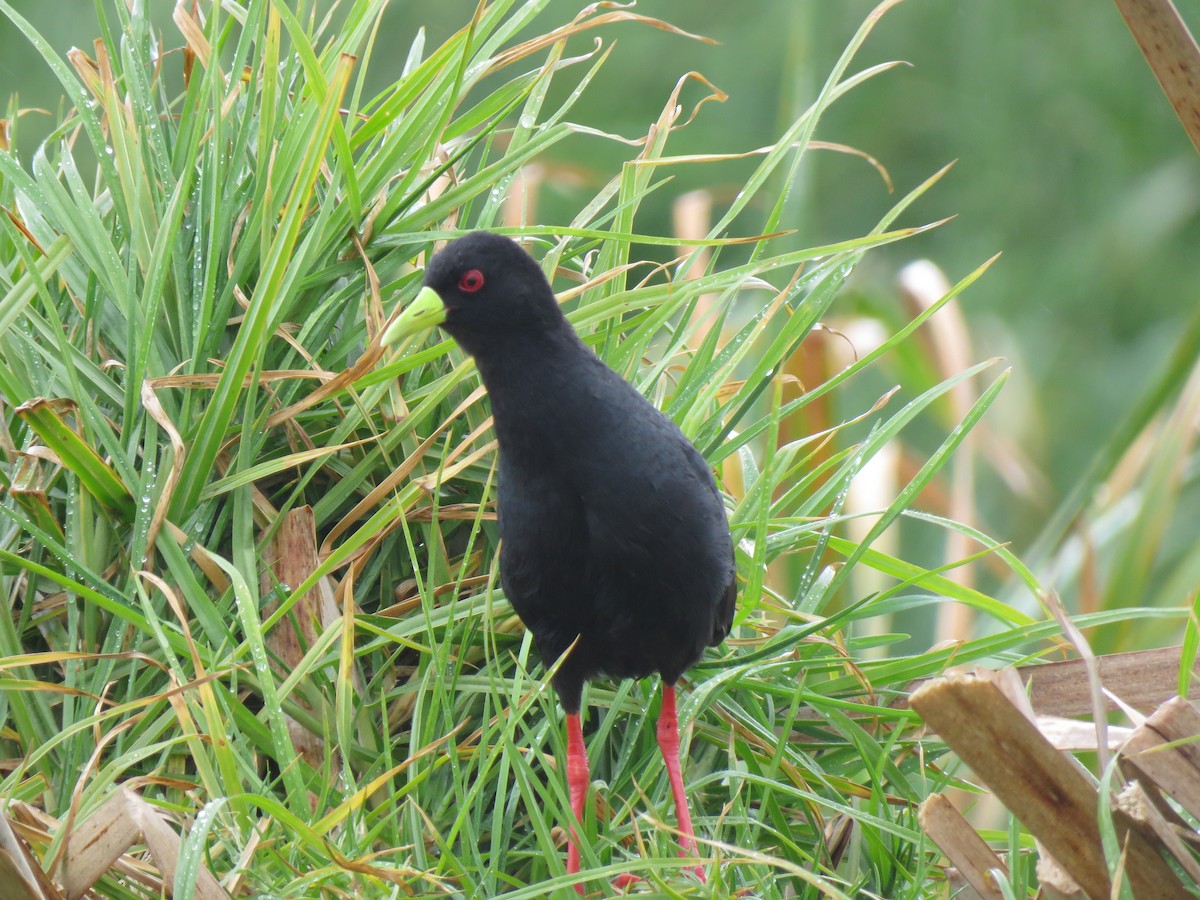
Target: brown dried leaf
13 217
87 70
125 819
193 34
291 558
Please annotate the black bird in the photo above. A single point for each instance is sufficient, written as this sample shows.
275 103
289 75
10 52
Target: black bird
615 547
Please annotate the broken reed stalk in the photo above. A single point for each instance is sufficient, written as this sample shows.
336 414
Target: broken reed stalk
1143 679
1163 752
975 860
1171 51
1044 789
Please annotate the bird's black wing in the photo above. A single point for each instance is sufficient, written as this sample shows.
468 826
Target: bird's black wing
726 606
660 556
543 555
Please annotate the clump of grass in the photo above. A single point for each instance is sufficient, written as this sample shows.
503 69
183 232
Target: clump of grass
189 354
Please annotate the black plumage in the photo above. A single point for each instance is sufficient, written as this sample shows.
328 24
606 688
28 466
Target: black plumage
614 541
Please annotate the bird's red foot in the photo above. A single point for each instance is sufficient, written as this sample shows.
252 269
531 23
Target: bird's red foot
627 880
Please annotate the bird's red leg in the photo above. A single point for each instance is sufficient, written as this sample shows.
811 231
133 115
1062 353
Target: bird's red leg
668 743
577 785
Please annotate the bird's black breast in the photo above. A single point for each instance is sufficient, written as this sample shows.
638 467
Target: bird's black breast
613 533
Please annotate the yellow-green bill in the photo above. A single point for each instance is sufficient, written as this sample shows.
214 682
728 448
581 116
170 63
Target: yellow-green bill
426 310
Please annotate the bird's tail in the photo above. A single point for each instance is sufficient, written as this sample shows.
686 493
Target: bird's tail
723 620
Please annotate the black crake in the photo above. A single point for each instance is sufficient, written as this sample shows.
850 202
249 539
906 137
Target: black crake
612 529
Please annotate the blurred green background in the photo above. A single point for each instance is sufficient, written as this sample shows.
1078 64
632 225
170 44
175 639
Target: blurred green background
1070 162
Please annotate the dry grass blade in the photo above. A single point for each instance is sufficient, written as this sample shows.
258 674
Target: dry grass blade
13 884
156 412
763 151
1076 736
192 31
21 876
13 217
180 614
667 122
363 366
1172 53
209 381
399 475
452 466
584 21
94 846
672 110
1095 688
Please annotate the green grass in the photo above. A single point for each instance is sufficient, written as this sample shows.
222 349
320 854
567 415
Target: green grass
189 329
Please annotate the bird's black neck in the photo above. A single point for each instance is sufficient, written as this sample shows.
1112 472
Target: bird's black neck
529 358
532 383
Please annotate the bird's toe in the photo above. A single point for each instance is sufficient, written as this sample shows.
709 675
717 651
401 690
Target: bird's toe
625 881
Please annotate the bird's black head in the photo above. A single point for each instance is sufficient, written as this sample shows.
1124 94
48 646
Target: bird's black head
481 288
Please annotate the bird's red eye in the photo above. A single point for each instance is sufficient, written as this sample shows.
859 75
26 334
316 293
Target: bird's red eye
471 281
